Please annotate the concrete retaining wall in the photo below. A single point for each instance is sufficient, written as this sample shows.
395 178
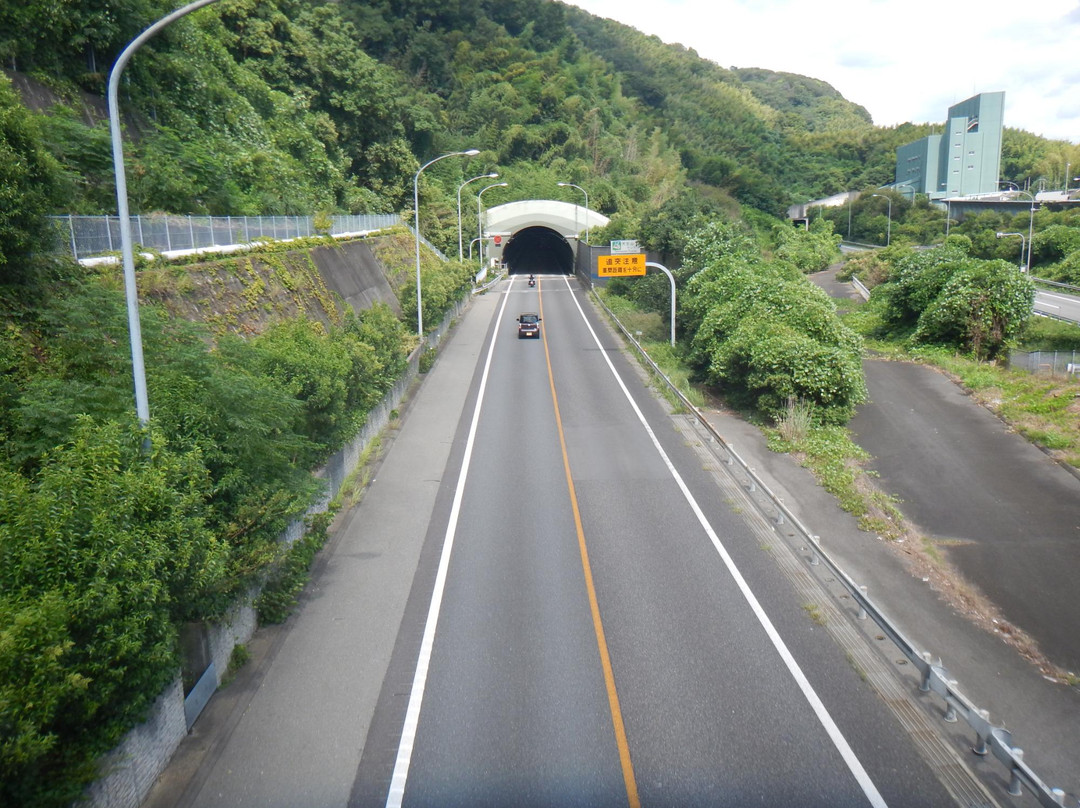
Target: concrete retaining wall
353 272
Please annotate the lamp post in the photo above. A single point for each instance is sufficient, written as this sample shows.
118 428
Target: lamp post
1021 235
571 185
479 223
888 225
849 200
1031 221
671 279
460 245
416 213
138 367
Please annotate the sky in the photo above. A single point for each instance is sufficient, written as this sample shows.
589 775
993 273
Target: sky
903 60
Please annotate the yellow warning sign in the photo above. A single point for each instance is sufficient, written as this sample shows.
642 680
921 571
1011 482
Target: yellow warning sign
620 266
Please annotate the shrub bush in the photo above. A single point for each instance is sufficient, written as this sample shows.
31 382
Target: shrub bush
766 334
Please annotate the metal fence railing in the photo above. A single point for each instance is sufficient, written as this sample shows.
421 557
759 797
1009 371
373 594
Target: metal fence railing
1056 284
91 236
1050 363
990 739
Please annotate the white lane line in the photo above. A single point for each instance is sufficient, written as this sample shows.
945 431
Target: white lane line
1066 298
416 695
833 731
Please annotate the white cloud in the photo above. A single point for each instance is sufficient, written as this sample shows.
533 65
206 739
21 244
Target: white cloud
904 60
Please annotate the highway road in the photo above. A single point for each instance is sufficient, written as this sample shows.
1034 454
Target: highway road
1057 304
597 625
1054 304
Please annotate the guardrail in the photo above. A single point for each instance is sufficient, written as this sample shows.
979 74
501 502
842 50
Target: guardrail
1057 284
989 738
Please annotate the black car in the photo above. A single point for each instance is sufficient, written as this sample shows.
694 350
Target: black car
529 324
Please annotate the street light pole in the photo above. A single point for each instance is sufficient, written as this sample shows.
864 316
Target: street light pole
416 213
138 367
888 225
1031 220
479 223
460 245
670 278
571 185
849 215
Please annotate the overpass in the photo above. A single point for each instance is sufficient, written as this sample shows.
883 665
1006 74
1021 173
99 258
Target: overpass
537 235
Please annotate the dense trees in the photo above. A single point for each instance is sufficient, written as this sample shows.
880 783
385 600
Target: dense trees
764 333
107 551
946 296
28 185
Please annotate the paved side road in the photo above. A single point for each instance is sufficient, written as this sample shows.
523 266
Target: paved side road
998 508
1002 511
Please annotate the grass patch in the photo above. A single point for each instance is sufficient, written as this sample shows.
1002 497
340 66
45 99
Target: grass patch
352 489
427 359
836 461
795 424
833 457
239 657
654 336
814 612
278 597
1044 334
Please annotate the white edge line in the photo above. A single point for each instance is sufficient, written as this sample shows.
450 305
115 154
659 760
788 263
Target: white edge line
833 731
396 793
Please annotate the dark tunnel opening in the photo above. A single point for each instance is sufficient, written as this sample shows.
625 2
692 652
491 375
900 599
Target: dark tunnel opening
538 250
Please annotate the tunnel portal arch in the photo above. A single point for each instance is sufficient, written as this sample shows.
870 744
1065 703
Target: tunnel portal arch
538 250
537 235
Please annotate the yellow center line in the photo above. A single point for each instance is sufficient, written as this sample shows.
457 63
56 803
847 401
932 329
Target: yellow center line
601 642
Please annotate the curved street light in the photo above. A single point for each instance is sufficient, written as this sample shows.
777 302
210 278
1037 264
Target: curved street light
888 225
571 185
671 280
479 222
1031 221
460 245
1021 235
138 367
416 212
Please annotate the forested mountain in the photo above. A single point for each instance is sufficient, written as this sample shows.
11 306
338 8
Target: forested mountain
291 106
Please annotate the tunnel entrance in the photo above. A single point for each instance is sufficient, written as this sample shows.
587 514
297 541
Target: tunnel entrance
538 250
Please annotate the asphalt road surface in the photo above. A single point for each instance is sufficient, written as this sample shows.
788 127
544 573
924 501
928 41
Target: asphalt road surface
1057 304
594 625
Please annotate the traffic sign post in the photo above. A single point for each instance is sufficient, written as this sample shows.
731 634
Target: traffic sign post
620 266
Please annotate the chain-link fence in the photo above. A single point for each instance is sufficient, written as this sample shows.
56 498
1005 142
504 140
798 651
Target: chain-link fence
1050 363
89 236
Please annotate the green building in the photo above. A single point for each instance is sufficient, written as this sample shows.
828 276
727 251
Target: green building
965 160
